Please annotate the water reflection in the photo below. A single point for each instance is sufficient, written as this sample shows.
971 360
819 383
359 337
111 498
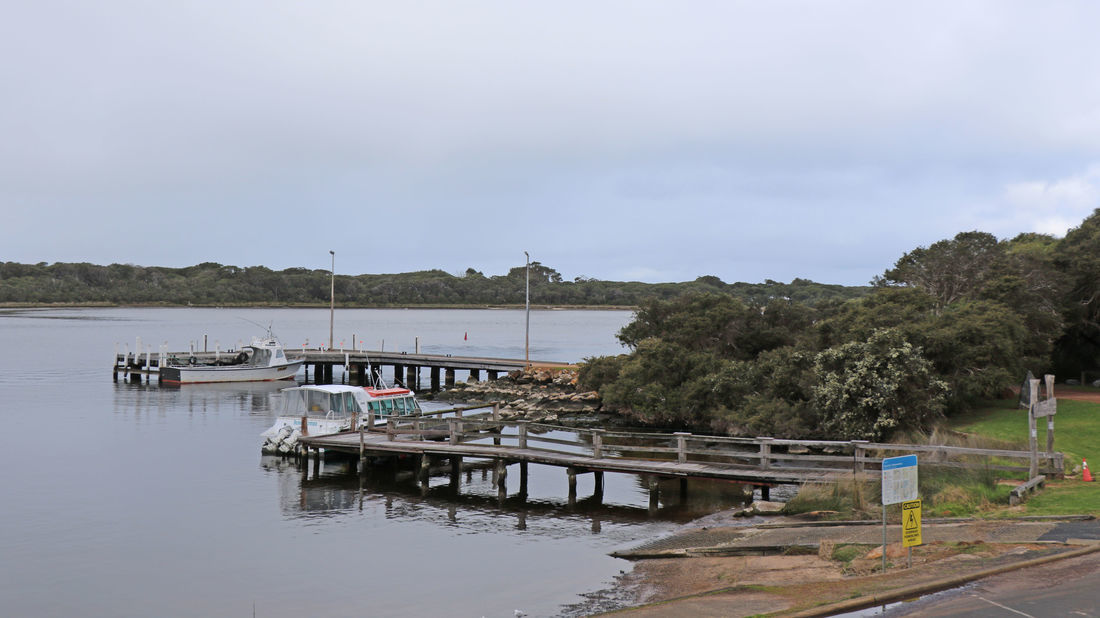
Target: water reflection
470 499
254 398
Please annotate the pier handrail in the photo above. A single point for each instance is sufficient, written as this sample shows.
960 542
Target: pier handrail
759 452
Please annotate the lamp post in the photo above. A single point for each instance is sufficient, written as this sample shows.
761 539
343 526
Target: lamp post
527 304
332 299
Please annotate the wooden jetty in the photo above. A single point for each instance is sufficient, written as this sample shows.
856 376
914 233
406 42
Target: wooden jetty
406 367
763 462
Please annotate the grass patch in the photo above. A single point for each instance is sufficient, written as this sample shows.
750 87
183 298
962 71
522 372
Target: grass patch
956 492
952 492
1076 427
1066 497
848 553
847 499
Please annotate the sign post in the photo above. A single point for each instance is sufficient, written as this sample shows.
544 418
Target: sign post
899 484
910 526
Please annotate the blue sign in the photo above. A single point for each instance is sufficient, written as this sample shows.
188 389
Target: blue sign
899 479
893 463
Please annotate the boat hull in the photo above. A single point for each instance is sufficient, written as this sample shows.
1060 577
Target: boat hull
191 374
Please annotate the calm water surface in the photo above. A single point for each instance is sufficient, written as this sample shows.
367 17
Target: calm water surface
123 499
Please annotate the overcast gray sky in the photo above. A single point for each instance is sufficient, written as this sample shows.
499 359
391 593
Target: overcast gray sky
654 141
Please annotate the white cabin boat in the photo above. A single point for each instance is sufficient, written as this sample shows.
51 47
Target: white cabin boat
321 409
261 361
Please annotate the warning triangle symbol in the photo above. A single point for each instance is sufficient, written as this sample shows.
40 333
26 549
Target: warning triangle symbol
912 521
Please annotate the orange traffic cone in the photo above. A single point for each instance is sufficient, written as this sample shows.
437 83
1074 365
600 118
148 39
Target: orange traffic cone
1085 474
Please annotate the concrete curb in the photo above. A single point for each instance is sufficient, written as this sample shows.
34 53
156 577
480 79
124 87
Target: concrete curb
909 592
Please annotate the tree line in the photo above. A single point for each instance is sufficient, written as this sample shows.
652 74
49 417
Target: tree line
948 326
210 284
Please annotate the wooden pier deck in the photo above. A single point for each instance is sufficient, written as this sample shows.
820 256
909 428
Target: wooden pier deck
375 443
406 368
763 462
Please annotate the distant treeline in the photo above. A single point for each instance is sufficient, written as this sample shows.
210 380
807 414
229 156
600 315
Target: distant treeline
210 283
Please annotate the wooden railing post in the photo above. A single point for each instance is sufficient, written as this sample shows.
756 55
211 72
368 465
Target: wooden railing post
1032 430
370 420
597 443
681 446
453 426
765 452
859 453
497 429
522 430
1050 417
391 429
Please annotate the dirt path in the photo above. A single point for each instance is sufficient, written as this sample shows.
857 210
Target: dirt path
1077 393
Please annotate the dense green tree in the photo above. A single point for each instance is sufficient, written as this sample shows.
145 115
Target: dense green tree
949 270
870 389
719 324
1078 257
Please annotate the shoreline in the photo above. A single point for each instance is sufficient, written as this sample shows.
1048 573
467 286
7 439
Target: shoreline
722 564
285 306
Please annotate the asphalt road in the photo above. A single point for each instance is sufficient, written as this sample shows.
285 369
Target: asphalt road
1068 587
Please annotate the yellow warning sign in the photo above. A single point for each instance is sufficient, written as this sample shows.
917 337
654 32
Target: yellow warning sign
910 523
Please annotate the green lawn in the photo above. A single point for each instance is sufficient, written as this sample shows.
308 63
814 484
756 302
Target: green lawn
1076 433
1076 427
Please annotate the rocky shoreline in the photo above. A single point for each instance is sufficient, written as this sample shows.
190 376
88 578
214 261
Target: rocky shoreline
537 395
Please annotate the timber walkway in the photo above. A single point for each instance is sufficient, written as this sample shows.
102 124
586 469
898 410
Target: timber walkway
406 367
763 462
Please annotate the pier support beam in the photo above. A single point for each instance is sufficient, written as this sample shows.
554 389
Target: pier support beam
765 492
654 493
410 376
397 377
456 471
571 473
475 375
424 466
435 379
500 474
523 480
449 378
597 490
491 374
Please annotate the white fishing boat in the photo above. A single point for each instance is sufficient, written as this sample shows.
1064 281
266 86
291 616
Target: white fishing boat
321 409
263 360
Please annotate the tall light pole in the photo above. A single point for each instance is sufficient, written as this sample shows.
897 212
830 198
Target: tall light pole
527 304
332 299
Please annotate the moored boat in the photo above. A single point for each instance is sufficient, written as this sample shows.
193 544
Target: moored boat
263 360
321 409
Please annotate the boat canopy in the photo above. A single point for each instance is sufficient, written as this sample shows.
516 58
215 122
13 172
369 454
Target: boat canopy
338 401
314 401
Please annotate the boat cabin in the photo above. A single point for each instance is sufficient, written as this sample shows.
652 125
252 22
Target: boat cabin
336 401
265 353
392 402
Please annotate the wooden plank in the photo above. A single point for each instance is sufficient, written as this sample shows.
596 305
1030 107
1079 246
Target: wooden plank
377 442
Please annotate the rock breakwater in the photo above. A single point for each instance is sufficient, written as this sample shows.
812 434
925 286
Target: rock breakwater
542 395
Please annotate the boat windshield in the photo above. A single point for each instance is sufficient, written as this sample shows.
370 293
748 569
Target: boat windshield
399 406
306 402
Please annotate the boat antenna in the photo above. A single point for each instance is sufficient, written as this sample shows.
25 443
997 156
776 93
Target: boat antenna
375 377
270 333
